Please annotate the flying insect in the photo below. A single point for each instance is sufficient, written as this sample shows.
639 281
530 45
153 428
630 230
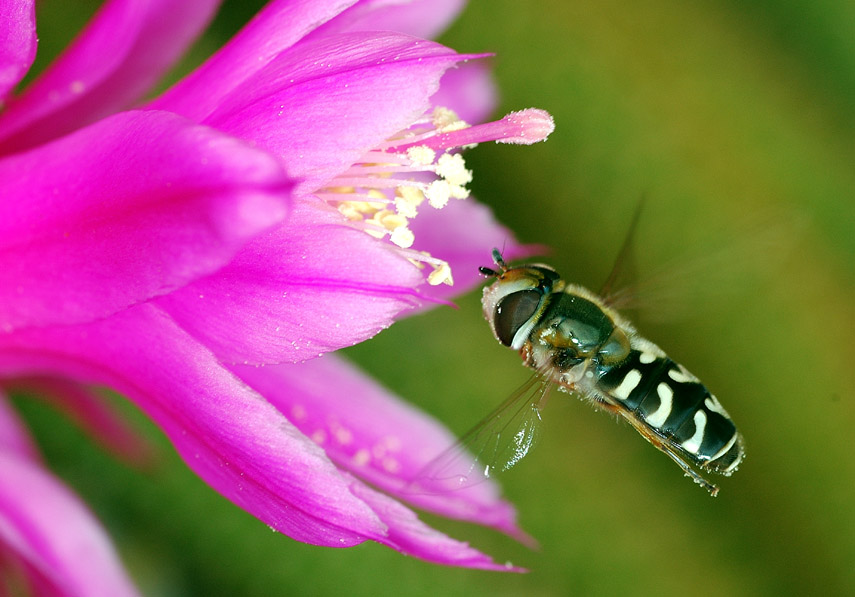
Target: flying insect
575 340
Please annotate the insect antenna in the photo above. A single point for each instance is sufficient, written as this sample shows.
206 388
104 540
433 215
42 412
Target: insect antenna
497 259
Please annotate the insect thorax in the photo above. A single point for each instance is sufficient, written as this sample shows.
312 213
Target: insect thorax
574 335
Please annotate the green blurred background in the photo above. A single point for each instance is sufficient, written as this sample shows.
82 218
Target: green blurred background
736 121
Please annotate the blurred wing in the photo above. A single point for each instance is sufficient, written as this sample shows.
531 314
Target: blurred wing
496 444
755 242
623 272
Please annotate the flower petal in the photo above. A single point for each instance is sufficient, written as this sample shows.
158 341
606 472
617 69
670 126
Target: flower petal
324 104
366 430
14 438
103 71
420 18
47 527
411 536
278 26
17 42
309 286
123 210
91 411
469 90
232 438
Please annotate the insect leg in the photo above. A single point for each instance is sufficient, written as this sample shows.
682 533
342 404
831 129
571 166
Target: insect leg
662 445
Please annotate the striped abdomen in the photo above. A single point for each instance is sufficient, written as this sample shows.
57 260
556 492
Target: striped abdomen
673 404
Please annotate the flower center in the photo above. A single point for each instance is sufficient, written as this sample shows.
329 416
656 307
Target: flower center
385 189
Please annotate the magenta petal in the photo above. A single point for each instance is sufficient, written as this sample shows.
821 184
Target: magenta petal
469 90
121 53
281 24
14 438
92 413
123 210
17 41
54 535
324 104
420 18
463 233
311 285
365 429
231 437
411 536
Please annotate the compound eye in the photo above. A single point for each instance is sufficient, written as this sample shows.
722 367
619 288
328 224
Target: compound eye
513 311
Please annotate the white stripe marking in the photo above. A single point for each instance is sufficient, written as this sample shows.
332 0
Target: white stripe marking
724 450
693 444
681 375
657 418
715 406
629 383
733 465
645 358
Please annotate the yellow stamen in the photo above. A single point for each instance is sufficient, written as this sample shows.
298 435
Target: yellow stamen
403 237
441 275
383 196
438 193
444 120
421 155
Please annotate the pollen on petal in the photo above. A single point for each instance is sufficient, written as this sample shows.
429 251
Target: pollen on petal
361 457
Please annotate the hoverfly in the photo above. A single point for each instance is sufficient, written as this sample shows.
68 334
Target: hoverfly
575 340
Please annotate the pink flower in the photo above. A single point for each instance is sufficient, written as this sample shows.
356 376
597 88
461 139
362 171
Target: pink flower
198 253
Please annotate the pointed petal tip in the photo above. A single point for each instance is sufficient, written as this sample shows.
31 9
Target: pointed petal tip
409 535
48 529
509 567
526 127
497 567
515 532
